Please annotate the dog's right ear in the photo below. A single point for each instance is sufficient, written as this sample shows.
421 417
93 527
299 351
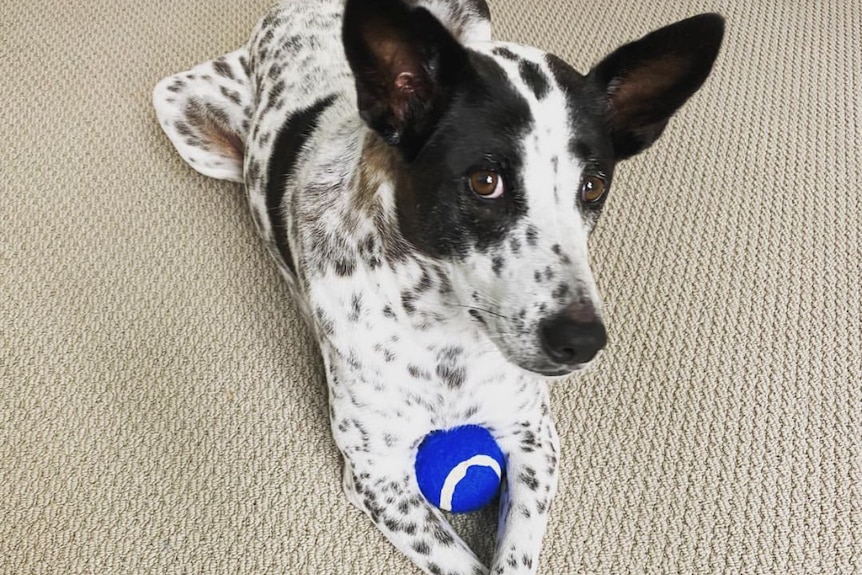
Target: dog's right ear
406 65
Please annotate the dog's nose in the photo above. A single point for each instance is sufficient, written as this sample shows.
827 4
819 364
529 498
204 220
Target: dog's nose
569 342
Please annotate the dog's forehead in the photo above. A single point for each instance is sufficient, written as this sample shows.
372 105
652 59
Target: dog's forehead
525 66
560 124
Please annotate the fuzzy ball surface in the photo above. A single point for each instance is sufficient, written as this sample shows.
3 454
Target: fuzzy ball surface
460 469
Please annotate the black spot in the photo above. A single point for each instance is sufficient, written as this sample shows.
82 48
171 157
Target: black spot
451 375
421 547
561 292
354 362
324 322
355 308
515 244
498 263
243 62
388 313
442 536
434 569
532 235
369 252
293 43
416 372
270 34
474 313
183 129
527 561
275 94
176 86
506 53
535 79
222 68
425 282
407 302
231 95
344 267
481 8
288 144
528 478
274 72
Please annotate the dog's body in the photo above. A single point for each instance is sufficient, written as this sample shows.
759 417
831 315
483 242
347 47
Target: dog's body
436 240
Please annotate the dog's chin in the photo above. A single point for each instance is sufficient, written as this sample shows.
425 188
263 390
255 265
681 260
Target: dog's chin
554 373
548 369
538 364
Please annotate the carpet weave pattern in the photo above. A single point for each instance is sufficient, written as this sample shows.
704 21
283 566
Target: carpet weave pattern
162 407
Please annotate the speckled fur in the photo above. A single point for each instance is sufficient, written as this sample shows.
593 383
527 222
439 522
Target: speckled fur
411 341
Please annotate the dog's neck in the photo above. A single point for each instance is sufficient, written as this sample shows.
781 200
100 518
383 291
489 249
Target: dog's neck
412 285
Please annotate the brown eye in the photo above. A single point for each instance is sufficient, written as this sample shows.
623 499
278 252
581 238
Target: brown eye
592 189
486 183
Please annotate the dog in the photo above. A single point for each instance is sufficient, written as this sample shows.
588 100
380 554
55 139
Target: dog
428 193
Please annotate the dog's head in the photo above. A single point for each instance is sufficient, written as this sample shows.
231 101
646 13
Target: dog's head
508 157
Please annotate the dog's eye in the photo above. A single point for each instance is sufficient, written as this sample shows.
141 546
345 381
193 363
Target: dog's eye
486 183
592 189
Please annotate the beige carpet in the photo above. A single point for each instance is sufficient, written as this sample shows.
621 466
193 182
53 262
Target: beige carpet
162 407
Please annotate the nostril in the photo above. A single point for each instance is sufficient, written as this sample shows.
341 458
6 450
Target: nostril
570 342
567 354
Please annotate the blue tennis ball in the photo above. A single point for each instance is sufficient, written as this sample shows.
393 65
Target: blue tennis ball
460 469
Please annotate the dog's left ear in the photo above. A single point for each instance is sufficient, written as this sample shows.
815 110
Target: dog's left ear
406 65
647 81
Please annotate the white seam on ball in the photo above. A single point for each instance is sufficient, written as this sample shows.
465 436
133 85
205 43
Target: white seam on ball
459 472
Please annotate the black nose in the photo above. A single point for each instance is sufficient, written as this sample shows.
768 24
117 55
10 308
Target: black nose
571 342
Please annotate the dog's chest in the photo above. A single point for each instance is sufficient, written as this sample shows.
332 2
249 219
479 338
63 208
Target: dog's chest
403 371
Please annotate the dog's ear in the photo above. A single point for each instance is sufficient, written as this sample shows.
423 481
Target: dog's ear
406 65
205 113
646 81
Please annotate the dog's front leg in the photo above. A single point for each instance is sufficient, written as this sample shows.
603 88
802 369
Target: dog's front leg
530 487
390 496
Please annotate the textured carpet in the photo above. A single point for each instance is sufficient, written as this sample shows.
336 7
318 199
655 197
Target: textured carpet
162 407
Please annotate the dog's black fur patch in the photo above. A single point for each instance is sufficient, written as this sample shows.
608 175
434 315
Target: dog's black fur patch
482 128
282 164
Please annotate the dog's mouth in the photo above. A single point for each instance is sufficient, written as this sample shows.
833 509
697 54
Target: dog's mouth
553 372
539 363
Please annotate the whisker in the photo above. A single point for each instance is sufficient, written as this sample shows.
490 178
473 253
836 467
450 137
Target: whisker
487 311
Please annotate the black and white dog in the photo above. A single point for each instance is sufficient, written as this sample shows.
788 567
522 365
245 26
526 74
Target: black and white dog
428 194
